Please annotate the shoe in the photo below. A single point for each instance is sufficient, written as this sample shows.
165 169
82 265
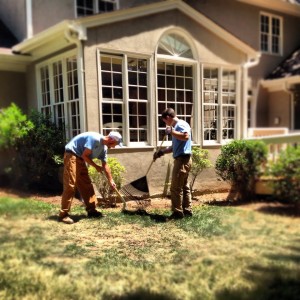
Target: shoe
176 215
188 213
95 214
66 219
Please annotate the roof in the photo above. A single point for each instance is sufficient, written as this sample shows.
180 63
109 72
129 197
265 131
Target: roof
73 28
7 39
289 67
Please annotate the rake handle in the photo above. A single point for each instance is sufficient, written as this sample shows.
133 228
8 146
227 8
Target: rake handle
164 138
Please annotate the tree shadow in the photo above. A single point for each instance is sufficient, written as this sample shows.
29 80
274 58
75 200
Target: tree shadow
75 218
275 282
140 294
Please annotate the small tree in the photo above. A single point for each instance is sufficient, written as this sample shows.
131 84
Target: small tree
100 181
287 170
240 163
38 153
200 162
14 125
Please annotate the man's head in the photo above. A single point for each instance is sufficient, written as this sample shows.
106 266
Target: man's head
168 115
114 139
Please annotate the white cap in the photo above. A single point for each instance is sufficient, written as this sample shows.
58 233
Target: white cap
117 137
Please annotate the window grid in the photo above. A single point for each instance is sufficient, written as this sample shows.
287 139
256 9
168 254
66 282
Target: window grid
228 103
175 89
91 7
45 91
73 96
60 94
138 98
219 103
112 93
270 33
210 104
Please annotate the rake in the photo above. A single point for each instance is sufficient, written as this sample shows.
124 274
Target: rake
138 189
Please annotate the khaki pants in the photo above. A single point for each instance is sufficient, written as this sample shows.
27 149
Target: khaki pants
76 176
180 188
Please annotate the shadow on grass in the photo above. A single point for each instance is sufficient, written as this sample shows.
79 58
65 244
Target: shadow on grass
141 212
274 282
76 218
140 294
265 205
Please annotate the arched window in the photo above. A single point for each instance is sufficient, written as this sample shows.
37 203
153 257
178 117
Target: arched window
175 78
174 45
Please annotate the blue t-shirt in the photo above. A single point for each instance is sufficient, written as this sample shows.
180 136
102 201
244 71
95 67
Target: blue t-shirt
90 140
182 147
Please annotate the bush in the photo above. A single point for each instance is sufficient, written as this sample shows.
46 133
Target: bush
200 162
240 163
100 180
287 170
38 152
13 126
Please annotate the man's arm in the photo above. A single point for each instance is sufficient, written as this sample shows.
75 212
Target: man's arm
86 157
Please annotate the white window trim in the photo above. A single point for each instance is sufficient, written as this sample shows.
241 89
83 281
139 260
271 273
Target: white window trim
48 63
262 13
238 106
125 55
96 7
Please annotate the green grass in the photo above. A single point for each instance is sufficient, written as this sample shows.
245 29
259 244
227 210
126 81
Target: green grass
221 253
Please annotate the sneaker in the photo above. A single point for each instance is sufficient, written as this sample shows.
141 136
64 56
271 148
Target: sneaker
66 219
95 214
176 215
188 213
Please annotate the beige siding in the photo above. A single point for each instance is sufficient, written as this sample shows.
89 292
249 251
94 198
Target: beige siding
279 106
13 89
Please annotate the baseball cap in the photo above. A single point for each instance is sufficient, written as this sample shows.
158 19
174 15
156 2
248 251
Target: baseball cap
117 137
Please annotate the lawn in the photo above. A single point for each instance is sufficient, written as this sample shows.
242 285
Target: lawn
222 252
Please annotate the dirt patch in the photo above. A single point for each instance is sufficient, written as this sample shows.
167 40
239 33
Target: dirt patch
218 199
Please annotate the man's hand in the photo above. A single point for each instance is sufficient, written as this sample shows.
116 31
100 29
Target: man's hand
112 184
168 130
157 154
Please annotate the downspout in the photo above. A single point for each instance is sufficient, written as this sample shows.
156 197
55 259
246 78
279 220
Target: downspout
29 28
77 34
249 64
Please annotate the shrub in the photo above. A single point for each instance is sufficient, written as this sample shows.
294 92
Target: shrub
14 125
100 180
287 170
200 162
38 152
240 163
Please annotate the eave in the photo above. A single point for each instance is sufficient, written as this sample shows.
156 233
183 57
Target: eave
13 63
275 85
276 5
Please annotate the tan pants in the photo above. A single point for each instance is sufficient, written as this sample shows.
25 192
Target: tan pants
180 188
76 176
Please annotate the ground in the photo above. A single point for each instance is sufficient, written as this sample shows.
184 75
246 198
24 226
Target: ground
262 205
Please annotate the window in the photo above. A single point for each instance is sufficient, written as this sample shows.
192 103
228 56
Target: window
59 93
174 89
175 78
270 34
124 87
219 104
91 7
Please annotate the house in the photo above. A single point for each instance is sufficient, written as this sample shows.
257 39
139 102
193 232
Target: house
116 64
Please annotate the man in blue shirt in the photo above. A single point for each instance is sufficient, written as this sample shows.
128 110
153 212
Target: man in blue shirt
81 150
182 151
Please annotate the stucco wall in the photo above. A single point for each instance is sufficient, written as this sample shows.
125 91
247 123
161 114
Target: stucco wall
13 89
